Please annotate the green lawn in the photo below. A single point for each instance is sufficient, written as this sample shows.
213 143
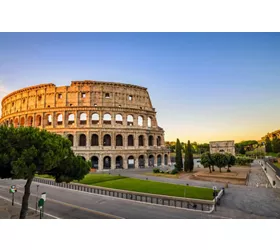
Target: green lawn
158 188
277 164
143 186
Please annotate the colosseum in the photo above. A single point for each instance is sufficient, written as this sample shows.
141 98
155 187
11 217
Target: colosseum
113 125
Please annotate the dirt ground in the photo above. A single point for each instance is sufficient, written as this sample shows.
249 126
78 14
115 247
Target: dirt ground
238 175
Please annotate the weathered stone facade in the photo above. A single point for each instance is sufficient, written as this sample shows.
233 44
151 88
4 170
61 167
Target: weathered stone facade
222 147
112 124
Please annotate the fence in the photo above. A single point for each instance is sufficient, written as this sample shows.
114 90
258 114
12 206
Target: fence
207 206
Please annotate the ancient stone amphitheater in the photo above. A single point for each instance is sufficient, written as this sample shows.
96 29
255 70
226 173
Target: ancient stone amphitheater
112 124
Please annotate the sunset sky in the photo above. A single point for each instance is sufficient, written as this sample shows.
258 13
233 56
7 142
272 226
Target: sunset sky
204 86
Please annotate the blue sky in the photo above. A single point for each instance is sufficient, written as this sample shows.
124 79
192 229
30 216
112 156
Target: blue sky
204 86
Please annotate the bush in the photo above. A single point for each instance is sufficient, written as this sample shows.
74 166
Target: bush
175 171
278 155
156 170
244 160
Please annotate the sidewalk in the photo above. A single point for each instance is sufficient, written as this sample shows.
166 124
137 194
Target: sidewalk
7 211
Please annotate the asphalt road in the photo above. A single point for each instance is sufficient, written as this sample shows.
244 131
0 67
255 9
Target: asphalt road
72 204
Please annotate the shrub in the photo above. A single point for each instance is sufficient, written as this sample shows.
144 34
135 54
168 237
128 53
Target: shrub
244 160
175 171
278 155
156 170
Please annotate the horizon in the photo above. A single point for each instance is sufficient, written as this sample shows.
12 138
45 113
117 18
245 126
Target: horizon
204 86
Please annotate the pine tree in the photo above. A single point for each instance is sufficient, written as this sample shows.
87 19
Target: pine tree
179 161
275 144
188 164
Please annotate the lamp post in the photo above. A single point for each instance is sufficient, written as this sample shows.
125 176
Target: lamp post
37 197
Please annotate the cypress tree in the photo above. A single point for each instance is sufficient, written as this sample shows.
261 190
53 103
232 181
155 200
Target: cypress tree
188 164
179 161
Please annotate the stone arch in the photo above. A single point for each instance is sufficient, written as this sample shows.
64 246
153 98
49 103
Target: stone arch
151 160
94 140
159 160
107 162
141 161
95 119
165 159
119 119
107 140
11 122
130 141
119 140
151 140
129 120
49 119
82 140
158 141
30 121
149 122
119 162
22 121
130 162
38 120
141 141
16 122
94 162
59 119
71 139
71 119
83 119
107 118
140 121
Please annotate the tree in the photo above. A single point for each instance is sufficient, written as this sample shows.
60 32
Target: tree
27 151
206 161
178 158
220 160
275 144
230 161
268 147
188 164
242 150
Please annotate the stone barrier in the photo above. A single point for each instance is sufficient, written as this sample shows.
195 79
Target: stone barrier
207 206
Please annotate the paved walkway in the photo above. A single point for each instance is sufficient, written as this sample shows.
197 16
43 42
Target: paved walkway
257 177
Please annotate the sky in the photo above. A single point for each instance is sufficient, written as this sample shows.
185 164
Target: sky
204 86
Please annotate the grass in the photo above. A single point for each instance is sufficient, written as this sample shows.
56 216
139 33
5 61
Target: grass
277 164
153 187
272 154
143 186
173 176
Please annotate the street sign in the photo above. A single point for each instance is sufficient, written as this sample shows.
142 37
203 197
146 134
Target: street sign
13 189
41 203
44 196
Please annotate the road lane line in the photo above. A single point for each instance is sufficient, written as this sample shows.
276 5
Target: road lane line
7 199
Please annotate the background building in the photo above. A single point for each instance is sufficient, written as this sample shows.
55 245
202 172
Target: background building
112 124
222 147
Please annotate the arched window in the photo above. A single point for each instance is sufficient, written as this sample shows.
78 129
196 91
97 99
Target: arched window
71 138
94 140
16 123
119 119
130 141
149 122
83 119
82 140
107 119
158 160
71 119
107 140
131 162
119 162
49 120
22 121
151 140
129 120
158 141
107 162
30 121
94 162
140 121
59 119
151 161
95 119
141 141
141 161
38 121
119 140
